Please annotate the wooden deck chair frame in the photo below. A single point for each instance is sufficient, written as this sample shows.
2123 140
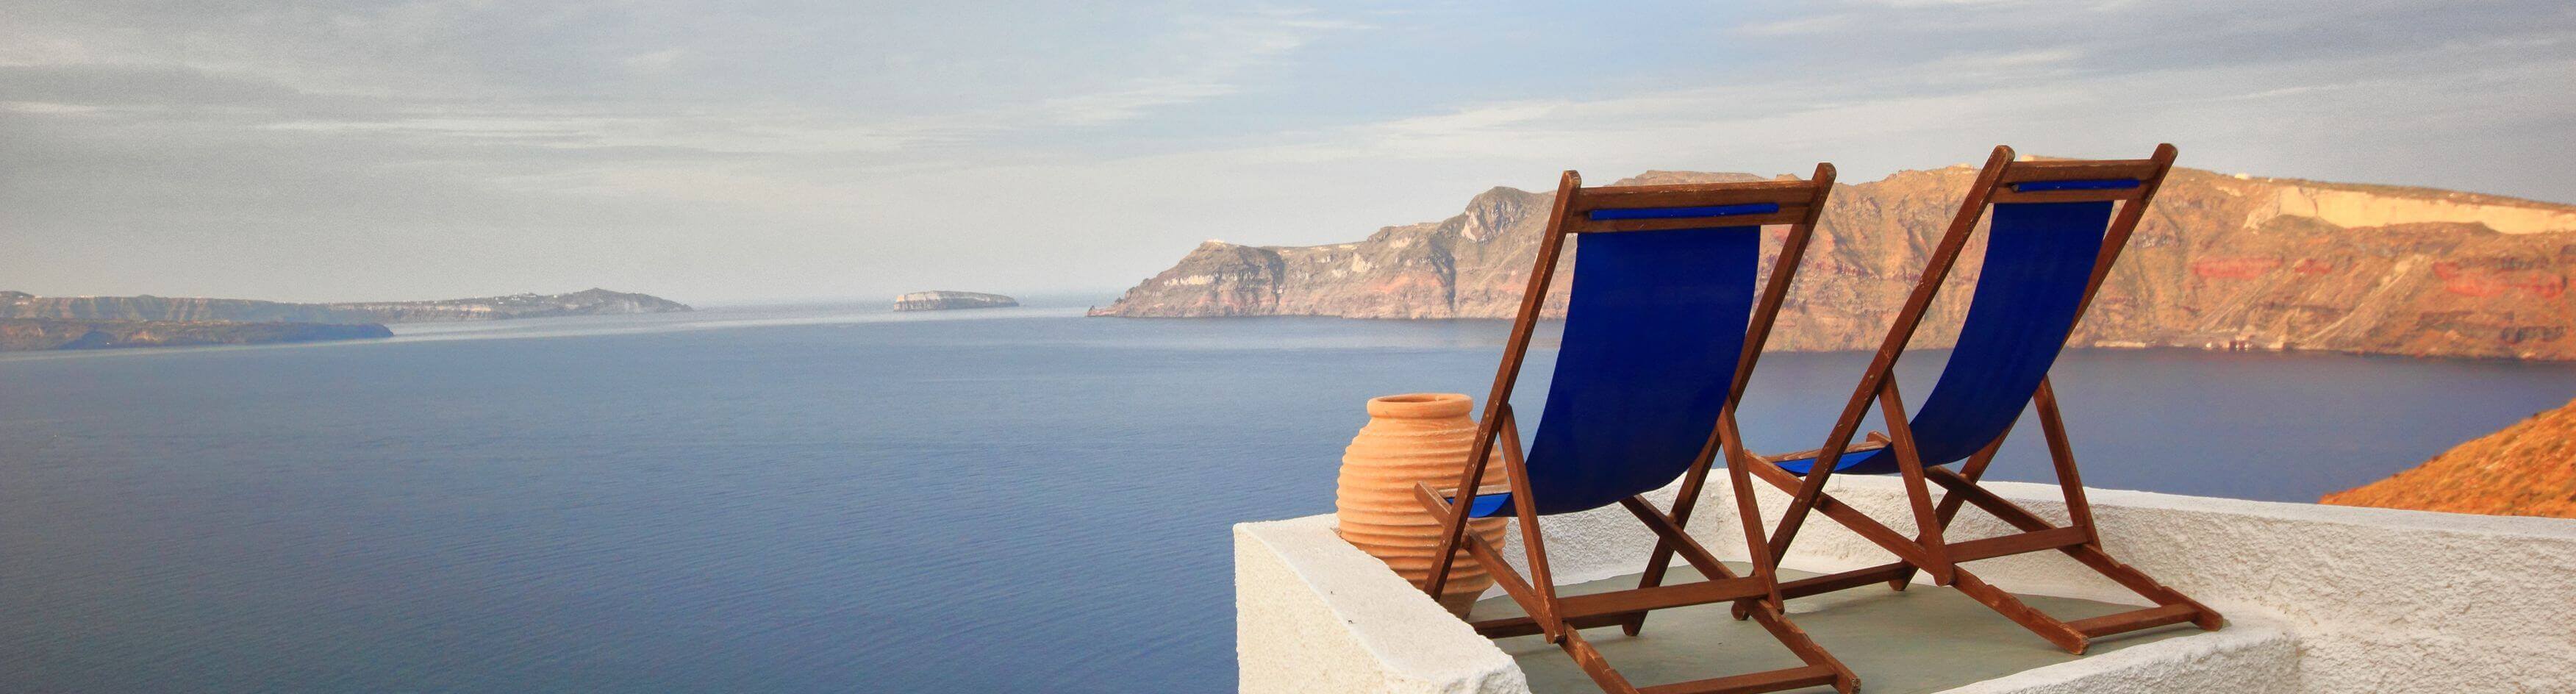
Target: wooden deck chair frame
1558 618
1930 551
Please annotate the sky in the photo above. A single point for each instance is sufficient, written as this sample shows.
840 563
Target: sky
752 152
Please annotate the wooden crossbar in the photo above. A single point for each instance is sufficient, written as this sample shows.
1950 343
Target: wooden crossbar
1876 441
1782 193
1768 681
1828 583
1526 625
1660 597
2149 618
2003 195
1786 215
2082 170
2017 543
1613 608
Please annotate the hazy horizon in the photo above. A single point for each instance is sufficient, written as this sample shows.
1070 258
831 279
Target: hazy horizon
791 152
1042 298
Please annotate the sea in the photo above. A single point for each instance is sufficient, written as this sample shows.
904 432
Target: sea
844 499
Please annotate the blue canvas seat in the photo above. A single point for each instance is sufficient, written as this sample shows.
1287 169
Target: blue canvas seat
2039 256
2057 228
1666 315
1653 330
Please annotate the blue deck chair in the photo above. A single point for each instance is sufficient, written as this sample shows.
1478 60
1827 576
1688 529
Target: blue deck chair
1662 328
2053 238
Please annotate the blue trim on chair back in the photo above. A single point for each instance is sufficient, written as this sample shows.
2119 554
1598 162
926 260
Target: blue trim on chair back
1653 331
1682 212
2039 256
2096 184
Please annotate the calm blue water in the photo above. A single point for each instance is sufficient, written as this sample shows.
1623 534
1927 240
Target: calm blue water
813 500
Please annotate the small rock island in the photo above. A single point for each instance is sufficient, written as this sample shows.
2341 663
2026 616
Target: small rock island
947 301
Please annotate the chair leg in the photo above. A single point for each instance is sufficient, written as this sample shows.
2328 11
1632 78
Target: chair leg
2145 586
2169 602
1593 664
1805 647
1684 500
2075 637
1918 494
1828 672
1819 669
1545 620
2012 608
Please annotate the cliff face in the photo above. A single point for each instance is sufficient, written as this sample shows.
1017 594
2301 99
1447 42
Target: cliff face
944 301
2220 261
154 308
20 334
2528 469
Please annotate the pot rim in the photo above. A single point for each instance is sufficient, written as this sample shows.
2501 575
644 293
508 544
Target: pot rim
1421 405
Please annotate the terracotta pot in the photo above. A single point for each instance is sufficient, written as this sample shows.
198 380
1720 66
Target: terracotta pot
1416 437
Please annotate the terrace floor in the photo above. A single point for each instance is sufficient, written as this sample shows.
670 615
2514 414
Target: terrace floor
1924 639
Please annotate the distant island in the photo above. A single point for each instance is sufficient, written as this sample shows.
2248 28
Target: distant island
2528 469
30 322
2230 262
27 334
949 301
145 308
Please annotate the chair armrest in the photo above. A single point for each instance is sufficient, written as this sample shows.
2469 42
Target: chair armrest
1875 441
1490 489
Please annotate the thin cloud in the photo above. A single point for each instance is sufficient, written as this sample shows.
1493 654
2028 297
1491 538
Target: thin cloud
433 149
1226 47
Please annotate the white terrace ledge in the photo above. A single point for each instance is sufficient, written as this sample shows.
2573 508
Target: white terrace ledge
2318 598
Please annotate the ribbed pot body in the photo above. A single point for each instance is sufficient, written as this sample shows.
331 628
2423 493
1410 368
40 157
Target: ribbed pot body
1416 437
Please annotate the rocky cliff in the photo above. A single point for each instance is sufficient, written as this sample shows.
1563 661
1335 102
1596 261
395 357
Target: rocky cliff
21 334
2221 262
944 301
2528 469
154 308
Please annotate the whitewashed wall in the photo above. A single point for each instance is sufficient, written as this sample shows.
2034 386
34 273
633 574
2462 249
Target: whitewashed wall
2320 598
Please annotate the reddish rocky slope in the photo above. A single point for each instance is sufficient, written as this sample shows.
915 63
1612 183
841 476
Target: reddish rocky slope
2528 469
2221 260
